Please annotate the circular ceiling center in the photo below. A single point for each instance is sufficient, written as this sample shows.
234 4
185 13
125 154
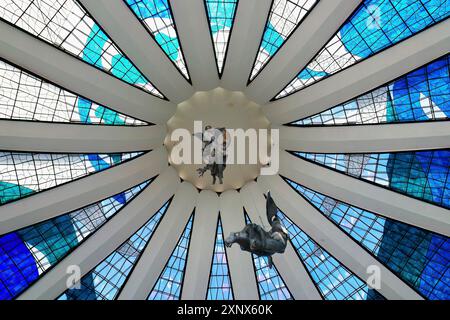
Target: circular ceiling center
218 109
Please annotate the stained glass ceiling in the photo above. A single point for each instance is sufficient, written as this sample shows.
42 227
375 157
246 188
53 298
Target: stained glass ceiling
221 14
23 174
24 96
157 17
416 257
285 16
28 253
67 26
107 279
421 95
373 27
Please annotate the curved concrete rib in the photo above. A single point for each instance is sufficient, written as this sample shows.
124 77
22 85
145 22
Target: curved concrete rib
67 71
240 263
107 239
195 38
317 28
201 247
365 195
133 38
363 77
366 138
82 192
164 240
288 264
333 240
30 136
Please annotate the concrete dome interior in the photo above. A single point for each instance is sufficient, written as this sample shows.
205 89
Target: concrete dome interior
92 91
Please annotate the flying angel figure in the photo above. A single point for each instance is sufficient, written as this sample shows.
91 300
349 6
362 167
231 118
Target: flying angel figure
254 239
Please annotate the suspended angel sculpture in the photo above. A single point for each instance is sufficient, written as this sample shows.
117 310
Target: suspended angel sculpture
214 152
253 238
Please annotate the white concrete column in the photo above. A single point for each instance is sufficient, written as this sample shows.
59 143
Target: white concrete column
66 71
333 240
201 247
77 194
107 239
31 136
288 264
314 32
363 77
366 138
242 271
162 244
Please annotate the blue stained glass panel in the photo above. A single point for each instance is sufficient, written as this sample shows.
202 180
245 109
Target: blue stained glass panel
374 26
419 257
421 95
109 277
285 16
24 96
333 280
221 15
219 287
170 282
67 26
424 175
26 254
157 16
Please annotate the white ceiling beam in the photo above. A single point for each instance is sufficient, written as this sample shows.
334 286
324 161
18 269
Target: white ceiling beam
66 71
333 240
366 138
249 23
365 195
31 136
362 77
201 248
158 251
82 192
136 42
288 264
107 239
195 38
240 263
317 28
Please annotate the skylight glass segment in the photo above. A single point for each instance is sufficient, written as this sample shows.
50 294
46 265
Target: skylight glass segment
219 287
26 254
422 95
424 175
221 14
109 277
270 284
23 174
333 280
170 282
66 25
157 17
419 257
374 26
285 16
24 96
